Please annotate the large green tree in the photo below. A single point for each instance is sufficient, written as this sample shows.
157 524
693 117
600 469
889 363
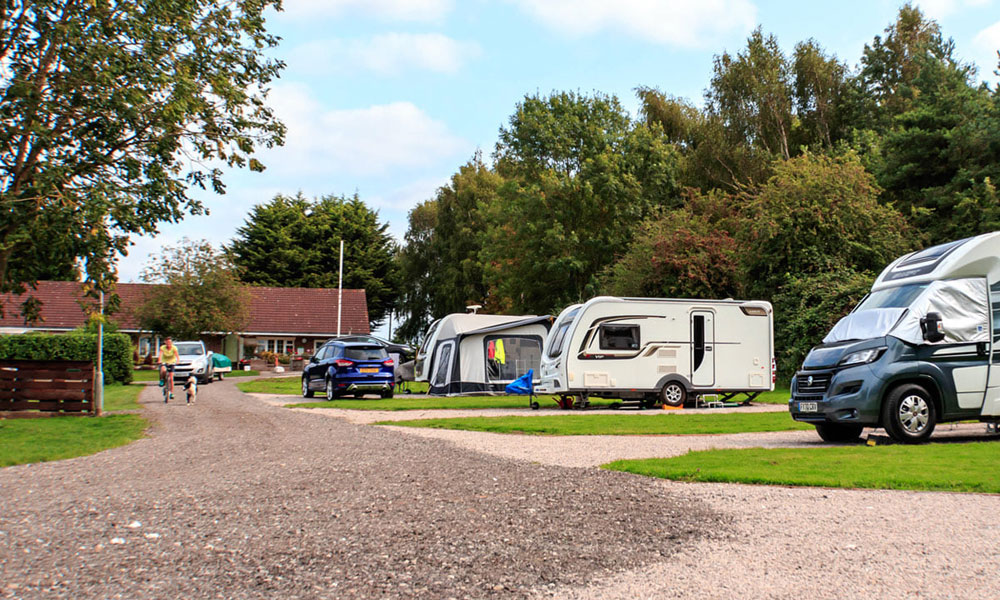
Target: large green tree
418 267
111 111
579 175
295 242
198 291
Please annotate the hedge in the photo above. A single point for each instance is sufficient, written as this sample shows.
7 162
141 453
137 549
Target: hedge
118 364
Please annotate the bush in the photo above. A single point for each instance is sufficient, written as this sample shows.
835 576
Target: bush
807 307
73 346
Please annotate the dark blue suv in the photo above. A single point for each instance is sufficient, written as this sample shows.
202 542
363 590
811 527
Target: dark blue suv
341 368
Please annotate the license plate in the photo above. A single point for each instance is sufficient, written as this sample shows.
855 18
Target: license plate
375 370
808 407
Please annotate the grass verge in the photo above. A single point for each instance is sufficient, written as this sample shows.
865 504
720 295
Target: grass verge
625 424
778 396
951 467
40 440
457 402
121 397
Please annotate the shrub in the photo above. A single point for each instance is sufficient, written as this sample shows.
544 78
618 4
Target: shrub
73 346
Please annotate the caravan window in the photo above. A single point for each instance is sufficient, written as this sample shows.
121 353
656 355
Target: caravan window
619 337
995 305
509 357
427 338
559 335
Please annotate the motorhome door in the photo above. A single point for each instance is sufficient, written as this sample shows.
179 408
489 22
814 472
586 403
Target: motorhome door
702 348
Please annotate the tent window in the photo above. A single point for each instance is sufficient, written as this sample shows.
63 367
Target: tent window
442 365
509 357
619 337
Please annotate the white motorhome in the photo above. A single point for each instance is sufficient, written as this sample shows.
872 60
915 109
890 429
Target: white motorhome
659 350
476 353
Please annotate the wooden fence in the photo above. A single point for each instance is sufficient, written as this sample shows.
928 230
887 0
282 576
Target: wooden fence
47 387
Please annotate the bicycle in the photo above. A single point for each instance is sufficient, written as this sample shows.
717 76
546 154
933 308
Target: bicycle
168 385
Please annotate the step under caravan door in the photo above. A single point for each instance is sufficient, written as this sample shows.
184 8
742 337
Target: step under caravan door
702 348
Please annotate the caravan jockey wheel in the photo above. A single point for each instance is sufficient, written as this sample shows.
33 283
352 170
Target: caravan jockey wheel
566 402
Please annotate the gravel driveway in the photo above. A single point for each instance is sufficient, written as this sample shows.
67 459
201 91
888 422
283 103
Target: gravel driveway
233 498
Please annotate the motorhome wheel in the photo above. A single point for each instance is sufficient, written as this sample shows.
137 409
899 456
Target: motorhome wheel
673 394
909 415
306 392
837 432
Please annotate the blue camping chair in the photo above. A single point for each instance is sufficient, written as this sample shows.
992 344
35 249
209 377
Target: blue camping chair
524 385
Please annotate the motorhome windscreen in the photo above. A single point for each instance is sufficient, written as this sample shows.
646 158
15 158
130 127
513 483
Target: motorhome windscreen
509 357
895 297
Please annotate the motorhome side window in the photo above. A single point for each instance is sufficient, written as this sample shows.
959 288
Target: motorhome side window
619 337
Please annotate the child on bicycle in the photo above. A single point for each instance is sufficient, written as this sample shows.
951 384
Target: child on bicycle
167 359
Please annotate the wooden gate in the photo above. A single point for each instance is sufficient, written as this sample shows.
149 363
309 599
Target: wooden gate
52 387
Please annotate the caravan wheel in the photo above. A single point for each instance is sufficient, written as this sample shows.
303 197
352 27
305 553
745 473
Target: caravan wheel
673 394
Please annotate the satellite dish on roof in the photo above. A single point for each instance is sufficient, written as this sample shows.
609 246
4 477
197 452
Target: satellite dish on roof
473 308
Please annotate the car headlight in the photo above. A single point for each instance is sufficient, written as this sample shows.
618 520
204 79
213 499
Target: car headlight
862 357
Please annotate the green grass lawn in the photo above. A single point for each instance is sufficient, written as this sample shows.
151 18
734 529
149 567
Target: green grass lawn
154 375
624 424
121 397
955 467
55 438
402 402
778 396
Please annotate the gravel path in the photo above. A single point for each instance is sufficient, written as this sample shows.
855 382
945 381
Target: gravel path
232 498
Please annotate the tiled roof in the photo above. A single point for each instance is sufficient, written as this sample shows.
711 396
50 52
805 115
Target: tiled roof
272 309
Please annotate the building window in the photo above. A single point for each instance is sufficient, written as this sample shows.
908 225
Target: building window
145 345
276 345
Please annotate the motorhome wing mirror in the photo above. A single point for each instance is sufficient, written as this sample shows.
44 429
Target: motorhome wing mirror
931 327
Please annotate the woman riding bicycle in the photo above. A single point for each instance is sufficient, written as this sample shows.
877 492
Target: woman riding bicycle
167 359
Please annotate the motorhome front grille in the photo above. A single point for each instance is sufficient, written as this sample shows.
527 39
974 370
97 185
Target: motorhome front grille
812 383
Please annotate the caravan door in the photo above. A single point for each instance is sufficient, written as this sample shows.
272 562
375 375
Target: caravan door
702 348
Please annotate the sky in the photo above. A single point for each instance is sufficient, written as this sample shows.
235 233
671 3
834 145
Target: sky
387 98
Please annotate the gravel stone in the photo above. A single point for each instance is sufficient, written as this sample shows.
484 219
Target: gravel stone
234 498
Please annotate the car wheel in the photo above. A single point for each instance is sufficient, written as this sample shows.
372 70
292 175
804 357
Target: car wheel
306 392
673 394
838 432
330 394
387 394
908 414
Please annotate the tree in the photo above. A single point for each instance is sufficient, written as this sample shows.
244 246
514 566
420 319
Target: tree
294 242
815 215
111 111
688 252
418 268
820 84
198 292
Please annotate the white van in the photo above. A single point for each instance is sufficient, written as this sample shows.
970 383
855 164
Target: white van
659 350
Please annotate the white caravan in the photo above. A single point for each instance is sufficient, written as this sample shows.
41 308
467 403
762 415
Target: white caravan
659 350
475 353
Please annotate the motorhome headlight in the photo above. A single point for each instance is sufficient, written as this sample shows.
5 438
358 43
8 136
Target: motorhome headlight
862 357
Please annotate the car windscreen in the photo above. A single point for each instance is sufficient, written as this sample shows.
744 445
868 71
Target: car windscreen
365 353
190 349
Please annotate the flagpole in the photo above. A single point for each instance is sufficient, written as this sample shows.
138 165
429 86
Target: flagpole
340 287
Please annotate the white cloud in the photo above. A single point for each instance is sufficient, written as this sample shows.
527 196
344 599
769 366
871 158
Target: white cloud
987 43
669 22
358 142
397 10
938 9
388 53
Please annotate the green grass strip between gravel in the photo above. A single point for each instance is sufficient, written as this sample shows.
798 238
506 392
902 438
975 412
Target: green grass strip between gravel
624 424
970 467
40 440
456 402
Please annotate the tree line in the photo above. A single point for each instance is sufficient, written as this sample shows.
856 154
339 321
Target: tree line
796 181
